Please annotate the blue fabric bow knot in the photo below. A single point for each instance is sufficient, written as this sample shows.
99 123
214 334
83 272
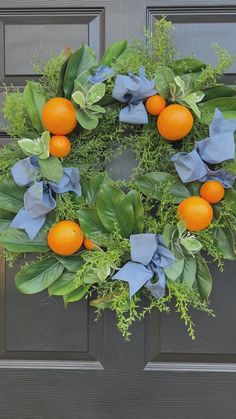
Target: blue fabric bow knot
218 147
38 199
149 256
133 90
102 73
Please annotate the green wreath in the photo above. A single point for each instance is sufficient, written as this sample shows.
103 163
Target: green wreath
137 243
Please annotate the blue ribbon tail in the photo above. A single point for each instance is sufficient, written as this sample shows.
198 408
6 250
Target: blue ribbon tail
189 166
24 221
157 289
70 182
24 171
225 177
136 274
134 114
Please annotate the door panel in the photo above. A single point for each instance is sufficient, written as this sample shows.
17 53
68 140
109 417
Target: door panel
60 363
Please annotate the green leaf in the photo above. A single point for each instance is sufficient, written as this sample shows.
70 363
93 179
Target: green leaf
203 281
187 65
72 263
81 60
34 102
230 197
113 52
30 147
38 276
194 187
44 143
5 219
77 295
168 234
90 222
86 120
79 98
60 92
181 226
95 93
180 83
65 284
152 184
191 245
174 271
224 239
96 108
51 169
16 240
135 199
115 208
11 195
188 275
221 90
107 302
227 105
91 188
104 271
163 78
186 101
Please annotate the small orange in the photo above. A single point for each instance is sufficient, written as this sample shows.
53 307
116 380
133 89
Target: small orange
65 238
212 191
59 116
175 122
196 212
155 104
88 244
59 146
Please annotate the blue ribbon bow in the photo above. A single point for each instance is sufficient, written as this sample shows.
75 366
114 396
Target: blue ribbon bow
38 199
149 256
218 147
102 73
133 90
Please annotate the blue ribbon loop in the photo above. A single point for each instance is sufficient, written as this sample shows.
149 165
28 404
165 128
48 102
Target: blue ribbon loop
218 147
149 256
102 73
38 199
133 90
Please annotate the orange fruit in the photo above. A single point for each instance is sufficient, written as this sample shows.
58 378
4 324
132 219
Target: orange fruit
59 146
196 212
155 104
88 244
65 238
58 116
175 122
212 191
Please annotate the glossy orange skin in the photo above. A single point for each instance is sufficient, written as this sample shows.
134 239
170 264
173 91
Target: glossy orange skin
59 146
58 116
88 244
196 212
175 122
155 104
212 191
65 238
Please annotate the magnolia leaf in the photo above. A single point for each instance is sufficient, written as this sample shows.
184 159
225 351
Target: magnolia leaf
38 276
227 105
188 275
135 199
230 197
224 239
34 102
11 195
5 219
115 210
163 78
113 52
72 263
90 222
86 120
51 169
152 184
77 295
95 93
65 284
79 98
187 65
218 91
91 188
203 281
16 240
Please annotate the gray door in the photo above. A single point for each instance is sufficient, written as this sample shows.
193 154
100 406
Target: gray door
60 364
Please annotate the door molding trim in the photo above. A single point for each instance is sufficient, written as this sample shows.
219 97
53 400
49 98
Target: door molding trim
49 364
190 367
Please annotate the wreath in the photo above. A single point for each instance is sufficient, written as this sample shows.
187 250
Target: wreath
135 242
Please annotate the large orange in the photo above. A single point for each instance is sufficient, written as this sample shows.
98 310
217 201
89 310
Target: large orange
212 191
59 146
65 238
58 116
155 104
175 122
196 212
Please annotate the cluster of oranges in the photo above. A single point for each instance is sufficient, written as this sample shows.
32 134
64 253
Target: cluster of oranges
197 211
59 117
174 122
66 238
